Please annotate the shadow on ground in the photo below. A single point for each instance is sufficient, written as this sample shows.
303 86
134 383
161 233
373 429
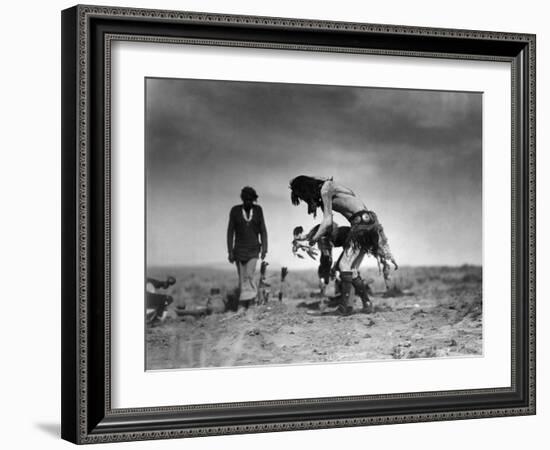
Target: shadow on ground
53 429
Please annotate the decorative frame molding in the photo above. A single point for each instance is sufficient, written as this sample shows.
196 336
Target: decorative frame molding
88 32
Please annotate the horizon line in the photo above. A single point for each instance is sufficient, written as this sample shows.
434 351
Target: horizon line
229 266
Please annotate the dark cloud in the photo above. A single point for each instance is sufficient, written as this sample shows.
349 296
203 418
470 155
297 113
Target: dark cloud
409 153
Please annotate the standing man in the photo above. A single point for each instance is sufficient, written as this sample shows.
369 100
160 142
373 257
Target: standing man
366 234
246 241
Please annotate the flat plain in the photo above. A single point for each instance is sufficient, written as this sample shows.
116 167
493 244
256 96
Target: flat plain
432 312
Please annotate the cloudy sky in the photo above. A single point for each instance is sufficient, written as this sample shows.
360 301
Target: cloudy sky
414 157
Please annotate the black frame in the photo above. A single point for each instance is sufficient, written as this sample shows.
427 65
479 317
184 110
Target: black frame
87 31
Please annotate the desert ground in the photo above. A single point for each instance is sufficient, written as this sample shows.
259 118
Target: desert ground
430 312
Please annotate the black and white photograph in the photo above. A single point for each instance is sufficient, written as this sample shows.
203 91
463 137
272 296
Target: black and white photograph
299 224
280 220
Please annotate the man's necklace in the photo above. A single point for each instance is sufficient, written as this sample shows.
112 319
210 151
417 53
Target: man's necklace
246 218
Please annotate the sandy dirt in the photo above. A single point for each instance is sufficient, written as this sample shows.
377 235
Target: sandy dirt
435 312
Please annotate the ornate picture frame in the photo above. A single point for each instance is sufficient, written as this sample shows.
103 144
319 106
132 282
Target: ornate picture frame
88 33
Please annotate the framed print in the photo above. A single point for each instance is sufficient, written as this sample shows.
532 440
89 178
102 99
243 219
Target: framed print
277 224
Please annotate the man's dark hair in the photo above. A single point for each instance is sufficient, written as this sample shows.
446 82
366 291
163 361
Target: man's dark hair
308 190
248 193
